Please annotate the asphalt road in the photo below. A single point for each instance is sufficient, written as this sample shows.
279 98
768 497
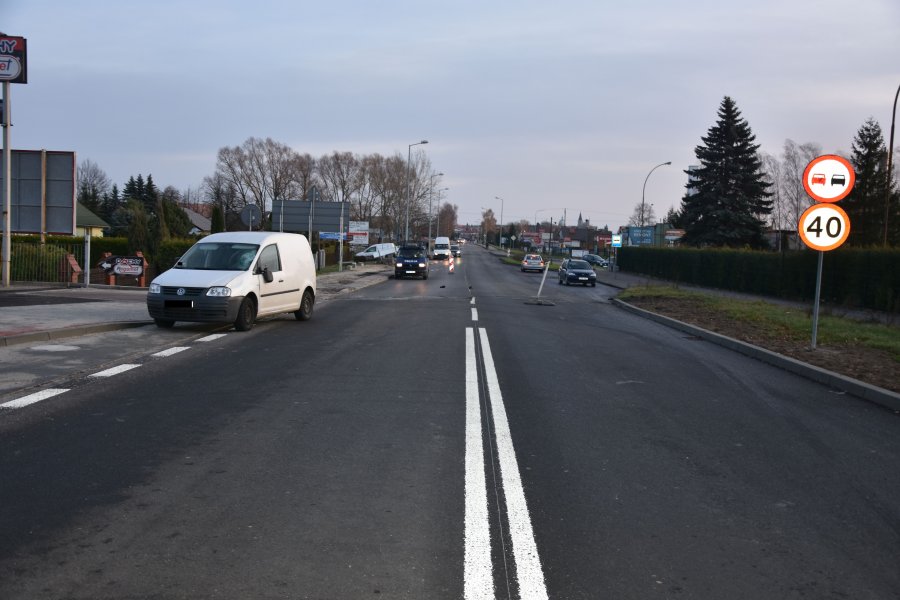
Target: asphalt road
447 438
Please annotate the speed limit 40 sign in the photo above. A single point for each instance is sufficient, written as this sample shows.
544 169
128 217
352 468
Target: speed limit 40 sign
824 227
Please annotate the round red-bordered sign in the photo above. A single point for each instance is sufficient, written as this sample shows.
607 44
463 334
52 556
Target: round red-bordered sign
829 178
824 227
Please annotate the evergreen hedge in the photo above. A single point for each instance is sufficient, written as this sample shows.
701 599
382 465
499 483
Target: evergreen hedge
852 277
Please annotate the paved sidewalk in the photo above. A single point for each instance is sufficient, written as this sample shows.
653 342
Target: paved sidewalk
30 313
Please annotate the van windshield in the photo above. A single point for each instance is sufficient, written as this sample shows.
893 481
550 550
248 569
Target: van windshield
442 246
219 256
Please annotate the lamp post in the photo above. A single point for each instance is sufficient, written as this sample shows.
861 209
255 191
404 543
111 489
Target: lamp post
890 167
430 200
645 188
536 224
408 168
501 220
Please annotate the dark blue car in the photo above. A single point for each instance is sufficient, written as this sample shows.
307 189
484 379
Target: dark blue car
411 261
575 270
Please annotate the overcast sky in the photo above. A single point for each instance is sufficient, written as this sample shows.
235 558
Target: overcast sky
549 105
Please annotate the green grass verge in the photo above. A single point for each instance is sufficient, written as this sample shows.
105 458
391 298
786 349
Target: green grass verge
781 320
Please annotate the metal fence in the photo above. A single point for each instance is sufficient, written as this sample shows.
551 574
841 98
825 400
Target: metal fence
46 263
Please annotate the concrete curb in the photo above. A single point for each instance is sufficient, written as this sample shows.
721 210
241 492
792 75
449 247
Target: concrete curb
66 332
860 389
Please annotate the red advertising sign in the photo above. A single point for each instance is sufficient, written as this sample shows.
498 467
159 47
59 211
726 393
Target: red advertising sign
13 59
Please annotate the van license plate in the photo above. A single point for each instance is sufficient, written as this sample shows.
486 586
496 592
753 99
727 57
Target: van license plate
179 304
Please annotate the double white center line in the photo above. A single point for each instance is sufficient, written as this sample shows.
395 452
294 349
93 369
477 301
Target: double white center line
479 579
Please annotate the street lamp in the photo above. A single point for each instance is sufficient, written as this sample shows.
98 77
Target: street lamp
430 199
645 188
501 220
890 167
408 168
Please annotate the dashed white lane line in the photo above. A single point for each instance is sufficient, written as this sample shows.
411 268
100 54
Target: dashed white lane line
529 573
170 351
478 578
49 393
474 314
32 398
114 370
212 337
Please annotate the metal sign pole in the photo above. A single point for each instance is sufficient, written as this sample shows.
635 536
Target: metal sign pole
7 187
815 324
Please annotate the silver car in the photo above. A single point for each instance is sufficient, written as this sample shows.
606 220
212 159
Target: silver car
532 262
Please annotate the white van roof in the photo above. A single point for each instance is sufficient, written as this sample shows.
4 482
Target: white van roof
249 237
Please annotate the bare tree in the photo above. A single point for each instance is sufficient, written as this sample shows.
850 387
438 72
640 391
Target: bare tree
340 174
93 184
219 191
387 177
261 172
448 216
488 222
231 165
778 218
643 215
279 164
303 168
794 161
365 205
90 175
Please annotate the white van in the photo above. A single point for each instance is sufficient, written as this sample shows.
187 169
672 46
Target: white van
441 248
235 277
377 252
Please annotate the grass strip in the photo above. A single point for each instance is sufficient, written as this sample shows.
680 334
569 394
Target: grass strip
778 320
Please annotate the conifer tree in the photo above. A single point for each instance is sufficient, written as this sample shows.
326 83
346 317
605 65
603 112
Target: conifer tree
150 196
727 197
218 219
110 203
865 203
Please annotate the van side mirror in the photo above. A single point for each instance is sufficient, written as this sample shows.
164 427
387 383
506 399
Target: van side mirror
267 275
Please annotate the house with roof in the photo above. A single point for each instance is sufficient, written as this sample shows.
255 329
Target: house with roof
200 225
87 223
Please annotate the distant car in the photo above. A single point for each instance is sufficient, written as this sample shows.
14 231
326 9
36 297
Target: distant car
454 250
411 261
575 270
596 260
377 252
532 262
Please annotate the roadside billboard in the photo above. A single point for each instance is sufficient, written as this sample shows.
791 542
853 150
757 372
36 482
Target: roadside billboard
42 192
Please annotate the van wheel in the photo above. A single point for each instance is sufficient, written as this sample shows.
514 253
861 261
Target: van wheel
246 315
164 323
425 275
304 313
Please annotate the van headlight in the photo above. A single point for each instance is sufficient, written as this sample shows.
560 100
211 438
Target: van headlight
219 292
399 265
155 288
